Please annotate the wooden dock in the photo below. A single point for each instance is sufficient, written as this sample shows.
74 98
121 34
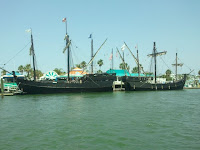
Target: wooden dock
8 94
191 88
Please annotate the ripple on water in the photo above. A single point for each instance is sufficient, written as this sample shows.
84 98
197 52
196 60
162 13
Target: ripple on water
121 120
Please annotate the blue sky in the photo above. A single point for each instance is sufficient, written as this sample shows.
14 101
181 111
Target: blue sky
172 24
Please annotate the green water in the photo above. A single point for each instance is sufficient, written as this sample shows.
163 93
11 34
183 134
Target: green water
101 121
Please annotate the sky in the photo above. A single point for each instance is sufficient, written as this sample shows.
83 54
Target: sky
173 24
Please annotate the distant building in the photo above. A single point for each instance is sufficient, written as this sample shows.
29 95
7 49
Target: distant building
121 73
77 72
193 81
9 82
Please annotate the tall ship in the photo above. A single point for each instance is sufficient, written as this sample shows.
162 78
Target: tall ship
146 83
88 83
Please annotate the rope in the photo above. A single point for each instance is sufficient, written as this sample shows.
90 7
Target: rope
17 53
71 55
150 69
74 50
164 62
93 81
186 65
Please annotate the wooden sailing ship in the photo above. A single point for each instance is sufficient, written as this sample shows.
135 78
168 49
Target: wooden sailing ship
146 84
87 83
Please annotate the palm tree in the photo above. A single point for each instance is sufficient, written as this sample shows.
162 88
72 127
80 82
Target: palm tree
121 66
135 70
83 64
38 73
124 66
168 73
21 69
100 63
3 72
58 71
149 73
78 65
27 69
99 71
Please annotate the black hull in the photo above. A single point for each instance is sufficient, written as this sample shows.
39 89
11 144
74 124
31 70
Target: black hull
34 88
97 84
131 85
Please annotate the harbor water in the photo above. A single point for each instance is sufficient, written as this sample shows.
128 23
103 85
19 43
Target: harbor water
97 121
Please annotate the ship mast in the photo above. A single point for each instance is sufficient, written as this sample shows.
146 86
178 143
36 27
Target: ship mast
176 66
33 54
92 55
136 59
155 54
95 54
112 59
138 62
68 49
68 42
125 67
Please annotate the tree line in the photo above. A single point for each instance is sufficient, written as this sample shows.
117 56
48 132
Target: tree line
29 71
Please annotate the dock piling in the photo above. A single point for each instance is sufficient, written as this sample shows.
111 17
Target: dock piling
2 88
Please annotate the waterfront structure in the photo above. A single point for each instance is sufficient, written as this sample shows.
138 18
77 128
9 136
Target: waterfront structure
193 81
9 84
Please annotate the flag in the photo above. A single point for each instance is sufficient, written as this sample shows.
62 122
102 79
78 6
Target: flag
123 47
90 36
64 20
111 55
28 30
